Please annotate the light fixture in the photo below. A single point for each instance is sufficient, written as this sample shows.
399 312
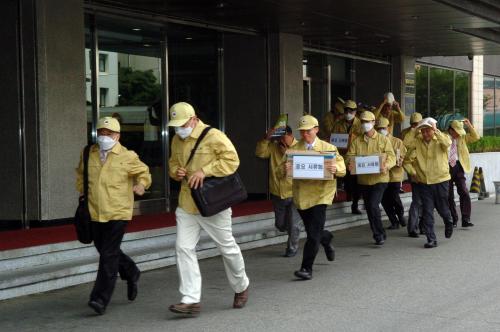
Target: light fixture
146 45
188 38
137 29
415 17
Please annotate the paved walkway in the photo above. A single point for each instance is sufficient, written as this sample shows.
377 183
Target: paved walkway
397 287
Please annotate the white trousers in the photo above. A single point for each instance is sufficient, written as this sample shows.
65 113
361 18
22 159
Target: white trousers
218 227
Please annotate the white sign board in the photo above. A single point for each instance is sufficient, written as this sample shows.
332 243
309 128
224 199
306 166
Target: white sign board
308 167
367 165
339 140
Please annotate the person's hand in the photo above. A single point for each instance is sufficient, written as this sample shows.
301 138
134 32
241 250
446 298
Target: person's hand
467 123
400 161
351 166
181 173
270 133
383 168
288 167
138 189
331 167
395 104
434 126
196 179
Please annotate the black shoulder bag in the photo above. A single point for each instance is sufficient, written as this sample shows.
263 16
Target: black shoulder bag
82 220
217 193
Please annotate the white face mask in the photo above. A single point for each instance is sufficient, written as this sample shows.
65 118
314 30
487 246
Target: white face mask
383 132
367 126
349 116
183 132
105 142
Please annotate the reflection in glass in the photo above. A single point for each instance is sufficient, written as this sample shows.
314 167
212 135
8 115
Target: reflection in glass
489 106
497 106
462 90
441 92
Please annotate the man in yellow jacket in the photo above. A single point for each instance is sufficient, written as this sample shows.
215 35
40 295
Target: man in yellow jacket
415 118
312 196
427 164
372 185
215 156
391 111
286 218
114 175
390 200
349 124
459 161
330 119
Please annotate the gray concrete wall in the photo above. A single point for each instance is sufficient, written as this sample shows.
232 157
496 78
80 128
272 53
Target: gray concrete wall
291 88
61 72
456 62
491 65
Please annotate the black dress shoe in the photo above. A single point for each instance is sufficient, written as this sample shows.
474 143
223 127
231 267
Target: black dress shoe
432 244
394 226
355 210
379 242
330 252
467 224
448 230
402 221
98 307
132 287
290 253
303 274
413 234
455 222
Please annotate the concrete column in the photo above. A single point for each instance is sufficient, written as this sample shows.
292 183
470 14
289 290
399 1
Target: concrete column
286 53
476 112
62 117
403 86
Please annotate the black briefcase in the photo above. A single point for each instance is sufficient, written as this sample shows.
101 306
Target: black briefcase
218 194
82 220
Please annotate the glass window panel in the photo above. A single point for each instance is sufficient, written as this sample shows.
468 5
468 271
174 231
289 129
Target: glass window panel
421 89
488 106
130 90
441 92
462 93
497 106
88 81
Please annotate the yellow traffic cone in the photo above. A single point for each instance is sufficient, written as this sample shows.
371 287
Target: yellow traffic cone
483 191
475 185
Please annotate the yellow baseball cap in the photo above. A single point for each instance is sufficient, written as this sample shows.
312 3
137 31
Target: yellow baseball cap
367 116
109 123
180 113
382 122
339 108
458 126
415 117
350 104
307 122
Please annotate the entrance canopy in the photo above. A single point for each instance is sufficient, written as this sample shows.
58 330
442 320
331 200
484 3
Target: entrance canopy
379 28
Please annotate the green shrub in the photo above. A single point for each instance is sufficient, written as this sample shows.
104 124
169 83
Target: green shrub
486 144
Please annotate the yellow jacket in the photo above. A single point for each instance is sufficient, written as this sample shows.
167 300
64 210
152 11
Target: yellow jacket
326 126
309 193
110 184
342 127
365 146
428 162
404 132
463 152
394 117
215 155
396 174
278 185
409 136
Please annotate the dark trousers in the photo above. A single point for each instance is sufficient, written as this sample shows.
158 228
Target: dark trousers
392 203
107 240
458 178
351 187
434 196
415 212
287 219
314 223
372 196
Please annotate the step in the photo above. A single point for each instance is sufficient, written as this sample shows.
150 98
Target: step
28 270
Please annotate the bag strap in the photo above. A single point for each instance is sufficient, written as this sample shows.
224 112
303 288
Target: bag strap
202 135
86 152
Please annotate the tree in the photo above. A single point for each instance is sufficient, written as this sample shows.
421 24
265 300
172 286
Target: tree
137 87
